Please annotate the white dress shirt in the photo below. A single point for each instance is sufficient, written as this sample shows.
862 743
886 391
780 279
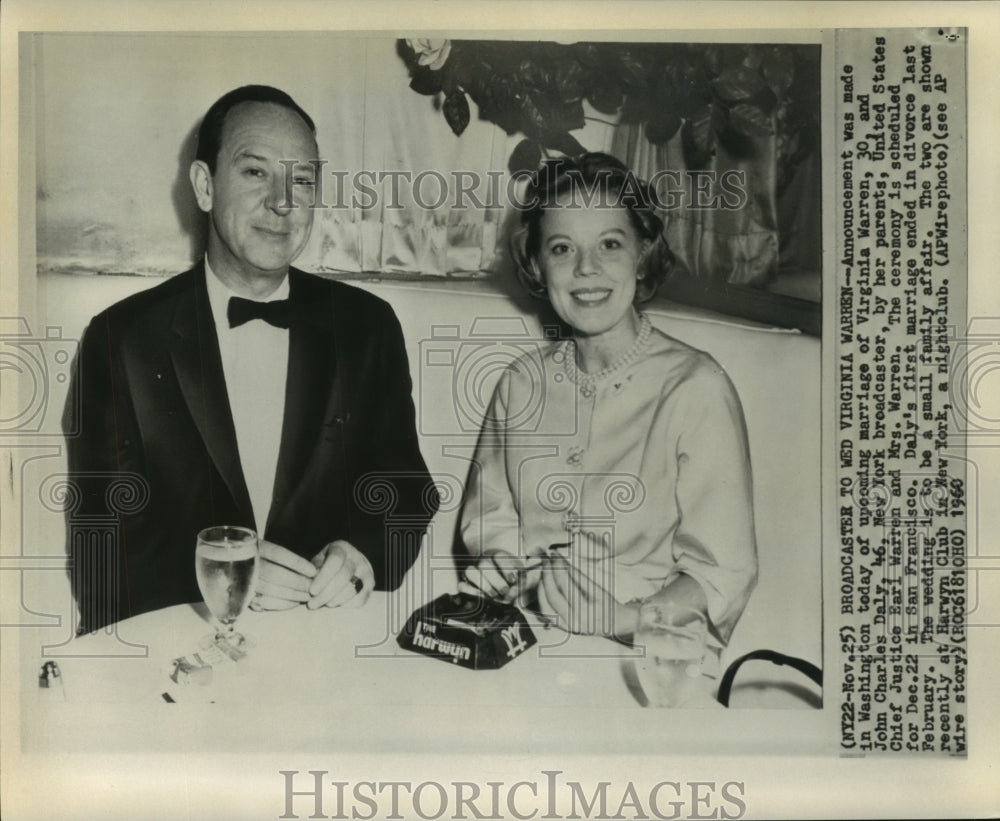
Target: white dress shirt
255 364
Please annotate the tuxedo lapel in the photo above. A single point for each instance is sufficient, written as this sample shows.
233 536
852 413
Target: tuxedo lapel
194 349
311 390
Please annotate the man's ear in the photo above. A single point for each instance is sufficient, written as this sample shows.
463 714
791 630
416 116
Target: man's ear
201 182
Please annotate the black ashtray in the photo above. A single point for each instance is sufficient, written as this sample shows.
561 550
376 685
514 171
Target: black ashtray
468 630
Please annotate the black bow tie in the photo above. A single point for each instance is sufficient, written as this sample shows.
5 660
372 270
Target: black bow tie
242 310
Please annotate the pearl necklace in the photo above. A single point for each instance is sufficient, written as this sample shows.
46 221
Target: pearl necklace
587 382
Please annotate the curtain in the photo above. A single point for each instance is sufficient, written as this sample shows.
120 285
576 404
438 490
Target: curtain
114 143
411 206
736 245
776 231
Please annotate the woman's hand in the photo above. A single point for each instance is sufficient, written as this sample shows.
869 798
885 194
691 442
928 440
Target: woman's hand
581 604
498 575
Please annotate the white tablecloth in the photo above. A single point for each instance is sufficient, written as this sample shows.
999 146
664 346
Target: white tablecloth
303 656
340 677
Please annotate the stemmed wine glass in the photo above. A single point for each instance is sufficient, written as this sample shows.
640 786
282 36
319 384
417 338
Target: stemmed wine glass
674 637
226 560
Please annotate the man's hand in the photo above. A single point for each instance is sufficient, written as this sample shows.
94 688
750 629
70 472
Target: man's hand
344 577
283 579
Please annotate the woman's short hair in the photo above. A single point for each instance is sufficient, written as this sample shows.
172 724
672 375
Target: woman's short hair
210 130
599 178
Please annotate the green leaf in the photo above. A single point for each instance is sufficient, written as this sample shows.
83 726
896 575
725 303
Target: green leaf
606 98
740 83
561 115
449 81
498 104
456 112
526 156
563 142
593 55
753 57
737 145
713 57
702 127
733 55
407 54
779 70
662 125
694 155
534 122
631 68
565 80
749 119
426 82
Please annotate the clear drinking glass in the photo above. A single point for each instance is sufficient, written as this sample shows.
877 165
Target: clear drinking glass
226 560
674 637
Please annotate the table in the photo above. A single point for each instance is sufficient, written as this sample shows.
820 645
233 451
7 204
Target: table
344 667
350 650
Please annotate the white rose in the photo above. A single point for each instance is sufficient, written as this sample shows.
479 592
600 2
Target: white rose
431 53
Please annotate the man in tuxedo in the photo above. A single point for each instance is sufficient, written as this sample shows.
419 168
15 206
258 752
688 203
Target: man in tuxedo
247 392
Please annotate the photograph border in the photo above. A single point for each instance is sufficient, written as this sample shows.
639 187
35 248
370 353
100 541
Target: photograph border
807 782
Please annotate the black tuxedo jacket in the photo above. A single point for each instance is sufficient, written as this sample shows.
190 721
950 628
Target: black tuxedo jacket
156 450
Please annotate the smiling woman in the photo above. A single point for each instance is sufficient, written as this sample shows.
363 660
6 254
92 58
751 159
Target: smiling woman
649 487
584 242
589 257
